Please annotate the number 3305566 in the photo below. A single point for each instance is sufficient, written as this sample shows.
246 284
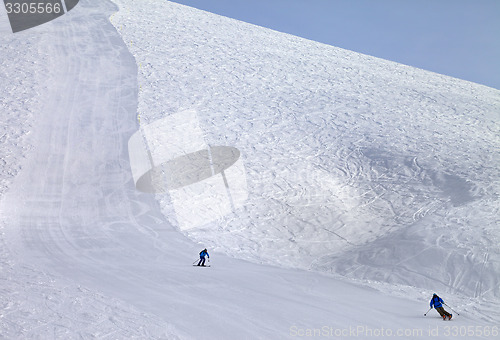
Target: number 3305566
33 8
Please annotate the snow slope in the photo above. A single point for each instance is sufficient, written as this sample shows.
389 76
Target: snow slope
370 184
348 157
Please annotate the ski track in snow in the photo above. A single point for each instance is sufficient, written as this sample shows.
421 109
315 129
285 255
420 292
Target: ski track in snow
59 67
356 166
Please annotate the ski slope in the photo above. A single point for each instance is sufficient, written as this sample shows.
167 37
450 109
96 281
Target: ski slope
368 185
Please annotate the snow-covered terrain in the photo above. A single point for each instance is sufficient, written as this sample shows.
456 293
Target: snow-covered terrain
361 186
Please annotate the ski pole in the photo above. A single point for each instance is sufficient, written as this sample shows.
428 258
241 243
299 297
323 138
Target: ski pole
425 314
195 261
452 309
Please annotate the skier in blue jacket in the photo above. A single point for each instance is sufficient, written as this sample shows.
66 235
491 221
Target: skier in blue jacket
437 302
203 253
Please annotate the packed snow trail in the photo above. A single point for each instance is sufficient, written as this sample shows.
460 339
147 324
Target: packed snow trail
74 216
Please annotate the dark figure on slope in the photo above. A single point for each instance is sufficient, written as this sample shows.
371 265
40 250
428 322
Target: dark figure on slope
203 253
437 302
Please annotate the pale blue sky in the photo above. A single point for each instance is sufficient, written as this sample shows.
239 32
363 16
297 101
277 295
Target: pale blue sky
460 38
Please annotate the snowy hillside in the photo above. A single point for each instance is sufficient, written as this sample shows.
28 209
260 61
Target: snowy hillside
356 165
332 189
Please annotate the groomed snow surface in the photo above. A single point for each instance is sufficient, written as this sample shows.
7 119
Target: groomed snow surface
361 186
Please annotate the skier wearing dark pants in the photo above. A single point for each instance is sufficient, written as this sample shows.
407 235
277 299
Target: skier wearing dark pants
203 253
437 302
